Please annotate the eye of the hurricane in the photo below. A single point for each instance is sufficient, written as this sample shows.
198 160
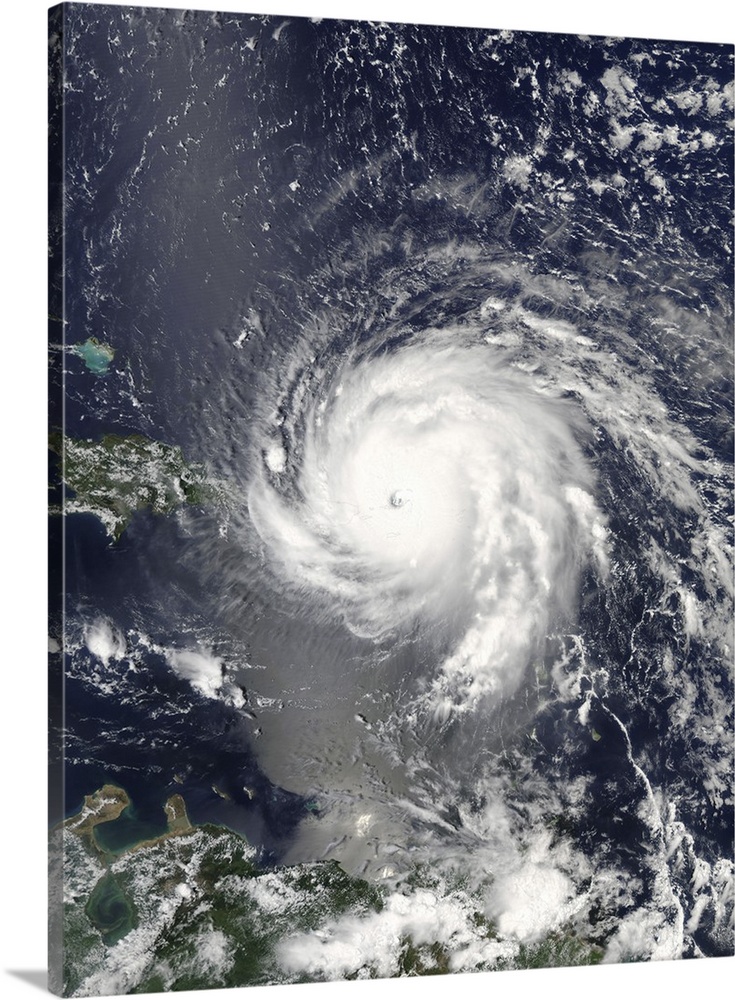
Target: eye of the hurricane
414 526
401 497
438 487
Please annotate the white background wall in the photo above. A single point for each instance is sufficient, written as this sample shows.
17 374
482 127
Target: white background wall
22 489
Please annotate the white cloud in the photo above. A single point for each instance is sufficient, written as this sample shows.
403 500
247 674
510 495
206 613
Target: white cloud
104 641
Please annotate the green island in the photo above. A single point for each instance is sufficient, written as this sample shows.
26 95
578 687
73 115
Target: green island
118 475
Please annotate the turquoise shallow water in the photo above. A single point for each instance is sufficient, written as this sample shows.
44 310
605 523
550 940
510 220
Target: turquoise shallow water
96 355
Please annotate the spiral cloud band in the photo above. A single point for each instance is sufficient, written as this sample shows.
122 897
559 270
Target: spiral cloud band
436 488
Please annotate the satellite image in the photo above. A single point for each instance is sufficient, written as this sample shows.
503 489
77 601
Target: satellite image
391 449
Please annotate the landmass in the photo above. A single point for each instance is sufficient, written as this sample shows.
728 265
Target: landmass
107 804
161 901
117 476
195 908
102 806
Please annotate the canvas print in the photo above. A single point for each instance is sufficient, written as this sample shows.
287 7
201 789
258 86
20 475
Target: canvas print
390 447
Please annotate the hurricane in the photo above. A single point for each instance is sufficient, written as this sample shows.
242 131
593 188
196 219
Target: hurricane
429 484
